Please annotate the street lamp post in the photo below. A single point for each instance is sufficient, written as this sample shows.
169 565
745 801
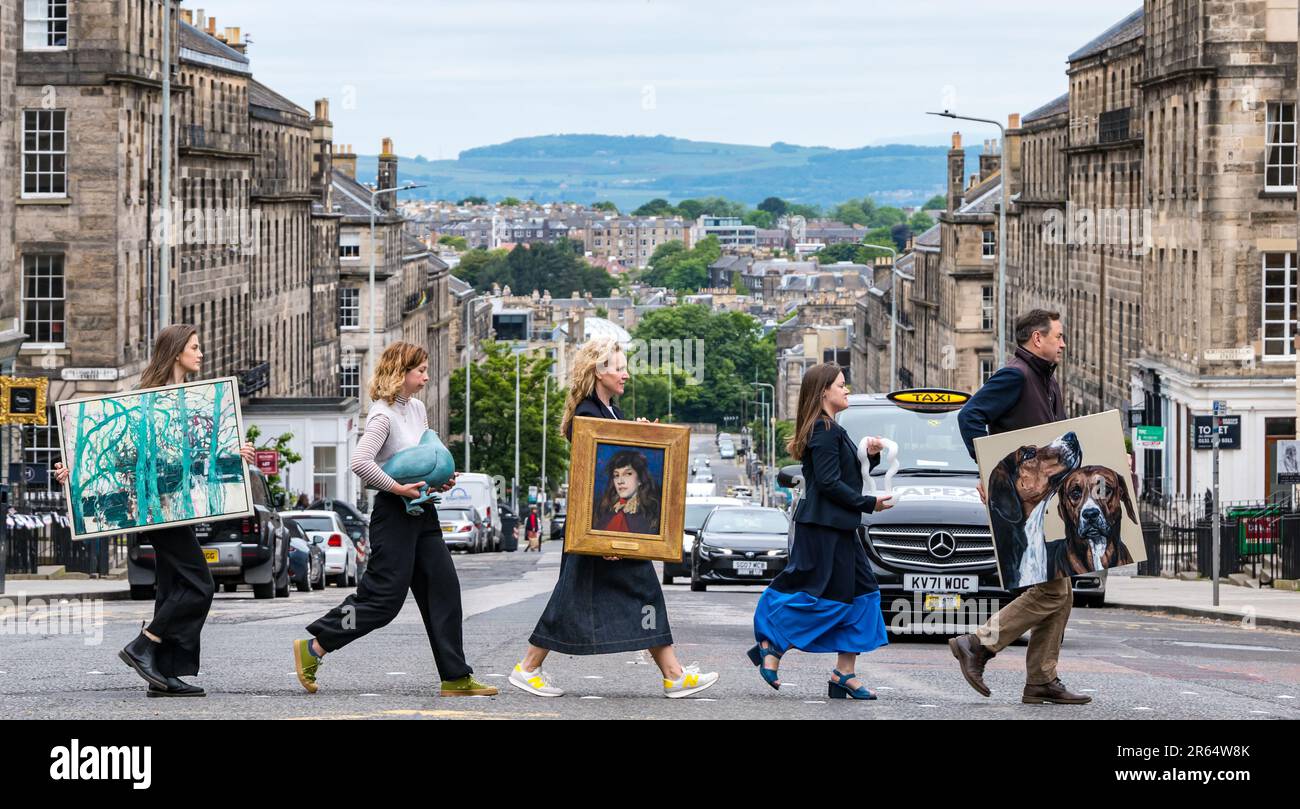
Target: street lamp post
771 432
469 364
370 337
514 499
1002 231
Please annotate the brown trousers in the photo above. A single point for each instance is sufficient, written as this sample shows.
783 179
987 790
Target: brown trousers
1041 610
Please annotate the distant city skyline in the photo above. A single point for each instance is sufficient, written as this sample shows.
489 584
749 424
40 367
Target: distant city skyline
442 77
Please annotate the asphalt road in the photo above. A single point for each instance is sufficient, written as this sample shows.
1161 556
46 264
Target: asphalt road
1136 666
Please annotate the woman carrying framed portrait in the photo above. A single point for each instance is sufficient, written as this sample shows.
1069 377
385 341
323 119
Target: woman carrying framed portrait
603 605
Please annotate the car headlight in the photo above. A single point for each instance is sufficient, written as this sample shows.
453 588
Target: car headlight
708 549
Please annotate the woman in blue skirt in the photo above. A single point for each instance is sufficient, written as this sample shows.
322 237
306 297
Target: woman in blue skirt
826 600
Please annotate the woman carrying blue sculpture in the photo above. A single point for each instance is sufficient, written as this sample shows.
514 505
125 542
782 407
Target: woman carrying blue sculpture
406 545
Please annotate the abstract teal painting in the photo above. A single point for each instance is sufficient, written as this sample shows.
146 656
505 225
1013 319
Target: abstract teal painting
154 458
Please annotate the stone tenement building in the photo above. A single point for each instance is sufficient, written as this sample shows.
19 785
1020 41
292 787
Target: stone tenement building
1154 206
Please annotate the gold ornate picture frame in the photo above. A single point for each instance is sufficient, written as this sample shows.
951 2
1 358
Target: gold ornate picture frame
22 394
627 489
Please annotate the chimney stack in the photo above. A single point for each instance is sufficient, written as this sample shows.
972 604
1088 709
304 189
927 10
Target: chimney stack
231 38
212 27
990 159
1011 166
956 173
387 176
322 154
345 161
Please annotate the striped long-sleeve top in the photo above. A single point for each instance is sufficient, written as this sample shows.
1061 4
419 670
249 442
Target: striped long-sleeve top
389 428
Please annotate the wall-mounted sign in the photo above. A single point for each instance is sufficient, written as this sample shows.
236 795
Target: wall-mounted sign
1148 437
88 374
1242 354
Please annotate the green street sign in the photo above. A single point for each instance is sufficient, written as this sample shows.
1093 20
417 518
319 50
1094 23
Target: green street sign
1149 437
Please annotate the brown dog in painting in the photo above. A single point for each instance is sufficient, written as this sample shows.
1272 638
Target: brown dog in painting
1092 502
1020 488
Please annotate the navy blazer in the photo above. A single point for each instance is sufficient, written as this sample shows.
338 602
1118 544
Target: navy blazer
592 407
832 479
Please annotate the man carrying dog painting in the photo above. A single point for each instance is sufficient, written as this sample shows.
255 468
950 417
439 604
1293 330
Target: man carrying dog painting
1024 393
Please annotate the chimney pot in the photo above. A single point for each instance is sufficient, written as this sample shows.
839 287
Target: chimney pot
956 140
212 26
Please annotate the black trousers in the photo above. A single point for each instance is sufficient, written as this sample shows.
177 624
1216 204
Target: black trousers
406 552
183 591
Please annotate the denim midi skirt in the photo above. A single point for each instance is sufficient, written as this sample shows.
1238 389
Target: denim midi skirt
600 606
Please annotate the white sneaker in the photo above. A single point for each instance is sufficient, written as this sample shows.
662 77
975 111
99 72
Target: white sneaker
692 682
536 682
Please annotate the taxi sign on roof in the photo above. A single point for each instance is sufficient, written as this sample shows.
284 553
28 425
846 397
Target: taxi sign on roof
928 398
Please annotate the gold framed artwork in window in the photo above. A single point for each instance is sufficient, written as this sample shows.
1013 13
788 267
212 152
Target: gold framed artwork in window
627 489
22 400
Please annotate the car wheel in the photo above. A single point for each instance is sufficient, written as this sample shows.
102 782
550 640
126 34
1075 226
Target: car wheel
264 590
229 588
142 592
697 586
667 578
337 581
319 584
303 584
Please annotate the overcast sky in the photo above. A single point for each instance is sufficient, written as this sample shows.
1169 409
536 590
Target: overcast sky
439 76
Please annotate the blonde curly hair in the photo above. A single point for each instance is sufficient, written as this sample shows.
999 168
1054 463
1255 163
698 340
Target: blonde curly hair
394 364
592 358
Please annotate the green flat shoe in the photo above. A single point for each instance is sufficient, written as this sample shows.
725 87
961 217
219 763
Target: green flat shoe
467 686
305 663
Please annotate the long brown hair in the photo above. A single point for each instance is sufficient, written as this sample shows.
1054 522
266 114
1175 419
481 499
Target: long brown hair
167 349
394 364
815 382
594 357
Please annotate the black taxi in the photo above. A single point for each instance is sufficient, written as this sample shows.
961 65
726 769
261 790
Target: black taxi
932 553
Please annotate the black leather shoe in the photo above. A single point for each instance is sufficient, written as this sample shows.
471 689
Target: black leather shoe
1054 693
972 655
140 654
177 687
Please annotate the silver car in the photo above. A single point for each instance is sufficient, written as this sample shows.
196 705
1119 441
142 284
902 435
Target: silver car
463 529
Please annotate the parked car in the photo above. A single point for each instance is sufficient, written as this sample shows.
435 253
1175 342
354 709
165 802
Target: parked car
557 522
476 489
702 477
306 558
246 550
463 529
740 545
356 524
326 529
697 508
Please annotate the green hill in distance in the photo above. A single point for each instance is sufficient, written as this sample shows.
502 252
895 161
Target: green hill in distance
630 170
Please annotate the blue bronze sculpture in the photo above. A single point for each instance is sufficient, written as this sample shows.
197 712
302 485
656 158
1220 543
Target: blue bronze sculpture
427 461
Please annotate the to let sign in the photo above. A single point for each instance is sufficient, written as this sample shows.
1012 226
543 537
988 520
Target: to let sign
268 462
1229 432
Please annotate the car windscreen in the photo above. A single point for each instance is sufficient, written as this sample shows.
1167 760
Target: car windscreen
314 523
926 441
747 521
695 514
453 514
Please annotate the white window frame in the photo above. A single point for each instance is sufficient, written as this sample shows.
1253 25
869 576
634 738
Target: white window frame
988 308
987 370
989 245
351 309
1288 304
40 23
50 300
1279 142
350 379
37 116
349 246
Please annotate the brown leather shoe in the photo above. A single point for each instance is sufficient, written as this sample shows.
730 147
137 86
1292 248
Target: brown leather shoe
1054 693
972 655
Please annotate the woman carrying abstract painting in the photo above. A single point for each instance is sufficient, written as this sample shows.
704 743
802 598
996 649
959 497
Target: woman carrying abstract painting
168 648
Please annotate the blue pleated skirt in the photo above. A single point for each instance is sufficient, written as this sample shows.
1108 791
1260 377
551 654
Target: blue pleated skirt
826 600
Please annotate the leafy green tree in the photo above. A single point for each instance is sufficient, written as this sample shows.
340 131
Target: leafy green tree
511 202
605 206
806 211
850 213
473 201
844 251
938 202
539 266
774 205
920 222
492 419
457 242
759 219
656 207
735 354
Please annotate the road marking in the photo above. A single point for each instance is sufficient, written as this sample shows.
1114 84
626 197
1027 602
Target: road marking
1279 696
1239 647
590 697
396 674
1141 708
592 677
1189 693
96 671
1265 713
814 702
1088 690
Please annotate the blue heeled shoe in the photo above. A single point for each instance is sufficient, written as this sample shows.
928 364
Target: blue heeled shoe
757 655
836 689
